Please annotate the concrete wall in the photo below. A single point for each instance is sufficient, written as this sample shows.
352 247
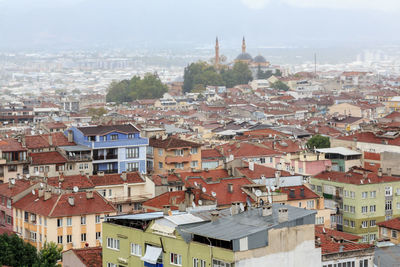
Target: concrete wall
69 259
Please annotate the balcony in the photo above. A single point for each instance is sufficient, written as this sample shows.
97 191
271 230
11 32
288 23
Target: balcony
176 159
105 171
84 157
105 157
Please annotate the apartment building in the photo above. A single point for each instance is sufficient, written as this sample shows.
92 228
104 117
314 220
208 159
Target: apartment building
276 235
115 148
390 230
360 198
71 220
168 153
14 160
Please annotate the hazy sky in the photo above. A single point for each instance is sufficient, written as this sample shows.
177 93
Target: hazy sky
190 23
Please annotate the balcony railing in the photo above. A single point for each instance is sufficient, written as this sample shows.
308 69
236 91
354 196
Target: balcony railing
105 157
79 158
106 171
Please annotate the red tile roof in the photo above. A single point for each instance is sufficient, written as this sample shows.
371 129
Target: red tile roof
90 256
260 170
68 182
210 153
244 149
215 175
391 224
20 186
369 137
42 141
171 143
319 230
356 178
58 206
174 199
55 125
115 178
10 145
308 194
42 158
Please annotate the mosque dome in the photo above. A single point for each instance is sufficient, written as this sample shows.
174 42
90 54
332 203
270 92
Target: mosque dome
259 59
244 56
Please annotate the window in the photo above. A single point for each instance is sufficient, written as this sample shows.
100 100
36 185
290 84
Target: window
45 221
384 231
83 237
132 153
262 160
59 222
97 218
109 264
319 220
9 203
310 204
364 194
364 238
160 165
103 192
199 263
41 169
86 166
83 220
175 259
319 188
364 209
394 234
98 235
8 219
33 236
373 194
69 238
12 168
131 136
352 209
114 137
109 192
299 204
218 263
194 164
133 166
193 150
301 170
346 222
352 194
372 223
59 239
119 207
364 263
388 205
352 224
364 224
113 243
36 169
160 151
372 208
179 165
398 205
81 166
346 208
136 249
69 221
388 191
179 152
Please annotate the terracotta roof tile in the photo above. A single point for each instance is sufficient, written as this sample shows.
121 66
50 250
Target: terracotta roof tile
42 158
20 186
391 224
68 182
171 142
210 153
9 145
105 129
115 178
42 141
356 178
90 256
308 194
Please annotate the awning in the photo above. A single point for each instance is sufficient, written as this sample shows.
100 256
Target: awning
152 254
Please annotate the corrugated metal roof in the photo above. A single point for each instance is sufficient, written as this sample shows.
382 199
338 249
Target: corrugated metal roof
339 150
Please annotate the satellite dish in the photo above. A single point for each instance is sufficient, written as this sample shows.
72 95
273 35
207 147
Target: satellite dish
258 193
18 176
204 189
75 189
193 204
12 181
41 185
195 183
33 191
200 202
241 207
213 194
273 188
27 176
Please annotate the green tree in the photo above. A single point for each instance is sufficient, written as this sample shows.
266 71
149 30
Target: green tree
49 255
76 91
318 141
136 88
279 85
16 252
242 73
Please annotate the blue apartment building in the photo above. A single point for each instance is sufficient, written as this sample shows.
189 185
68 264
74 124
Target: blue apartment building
114 148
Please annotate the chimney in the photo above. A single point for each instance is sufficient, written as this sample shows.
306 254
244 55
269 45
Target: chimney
277 174
50 140
100 173
47 195
230 188
123 176
71 201
70 136
189 197
40 192
266 210
389 171
235 208
60 177
282 215
229 172
341 247
365 175
89 194
11 183
165 210
214 216
291 193
328 168
302 192
380 172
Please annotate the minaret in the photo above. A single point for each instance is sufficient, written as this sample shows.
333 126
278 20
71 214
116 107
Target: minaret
216 53
243 46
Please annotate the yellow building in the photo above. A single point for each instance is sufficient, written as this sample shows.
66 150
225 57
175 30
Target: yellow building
173 153
71 220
